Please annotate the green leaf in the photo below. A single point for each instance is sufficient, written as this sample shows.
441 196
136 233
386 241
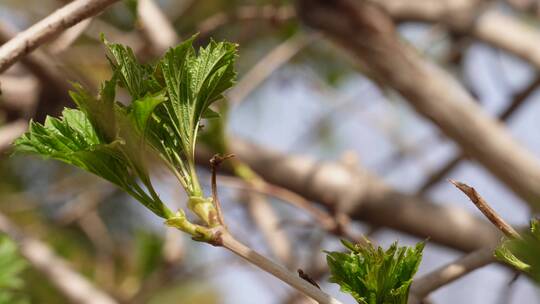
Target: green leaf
73 139
142 110
137 78
375 276
193 82
168 100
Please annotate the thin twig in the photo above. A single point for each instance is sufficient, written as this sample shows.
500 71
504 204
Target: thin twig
229 242
519 99
331 224
484 207
215 161
48 28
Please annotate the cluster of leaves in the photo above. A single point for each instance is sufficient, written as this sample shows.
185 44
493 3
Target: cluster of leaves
523 253
168 100
375 276
11 267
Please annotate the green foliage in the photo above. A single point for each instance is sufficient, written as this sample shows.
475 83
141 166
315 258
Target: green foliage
524 253
11 268
375 276
168 100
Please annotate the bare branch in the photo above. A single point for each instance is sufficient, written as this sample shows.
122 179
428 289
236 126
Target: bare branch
366 30
518 100
71 284
484 207
278 271
215 162
48 28
426 284
365 197
492 27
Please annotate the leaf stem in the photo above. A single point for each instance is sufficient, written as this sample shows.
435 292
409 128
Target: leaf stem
280 272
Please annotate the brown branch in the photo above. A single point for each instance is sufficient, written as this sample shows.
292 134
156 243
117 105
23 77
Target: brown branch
364 197
369 34
215 162
54 85
492 27
518 100
278 271
486 209
427 283
71 284
331 224
48 28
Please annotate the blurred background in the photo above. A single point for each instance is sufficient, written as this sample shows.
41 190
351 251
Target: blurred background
297 93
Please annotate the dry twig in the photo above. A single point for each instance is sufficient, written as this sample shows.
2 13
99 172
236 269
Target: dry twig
486 209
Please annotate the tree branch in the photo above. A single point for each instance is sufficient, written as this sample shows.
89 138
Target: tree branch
518 100
426 284
48 28
364 197
71 284
369 34
278 271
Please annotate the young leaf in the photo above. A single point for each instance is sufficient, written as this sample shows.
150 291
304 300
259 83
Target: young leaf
169 99
76 140
374 276
137 78
192 82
